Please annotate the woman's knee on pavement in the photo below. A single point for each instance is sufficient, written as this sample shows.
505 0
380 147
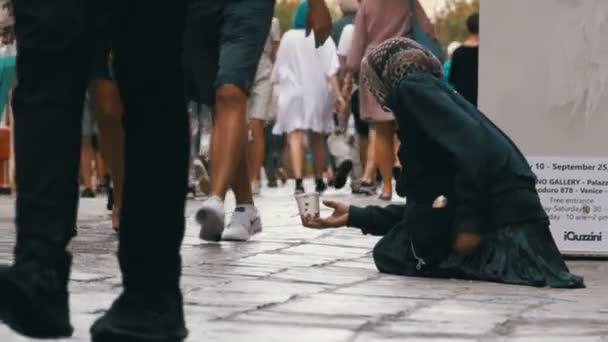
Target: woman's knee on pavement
385 263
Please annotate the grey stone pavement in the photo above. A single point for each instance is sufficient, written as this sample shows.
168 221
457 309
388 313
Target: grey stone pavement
294 284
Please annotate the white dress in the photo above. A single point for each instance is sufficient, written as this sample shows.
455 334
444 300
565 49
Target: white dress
302 73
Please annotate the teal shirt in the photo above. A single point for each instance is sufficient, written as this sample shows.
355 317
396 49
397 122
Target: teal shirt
447 66
7 74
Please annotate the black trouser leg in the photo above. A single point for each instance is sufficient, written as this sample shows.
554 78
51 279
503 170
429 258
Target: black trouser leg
156 134
270 154
52 71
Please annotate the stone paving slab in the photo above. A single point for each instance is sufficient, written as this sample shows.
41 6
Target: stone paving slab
294 284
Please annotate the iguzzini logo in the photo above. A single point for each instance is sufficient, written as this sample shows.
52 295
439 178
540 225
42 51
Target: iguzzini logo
573 236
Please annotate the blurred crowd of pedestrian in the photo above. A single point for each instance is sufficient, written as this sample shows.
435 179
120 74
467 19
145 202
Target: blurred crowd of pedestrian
230 94
307 114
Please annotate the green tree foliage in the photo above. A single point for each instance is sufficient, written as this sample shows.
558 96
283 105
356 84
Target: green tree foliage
284 11
450 22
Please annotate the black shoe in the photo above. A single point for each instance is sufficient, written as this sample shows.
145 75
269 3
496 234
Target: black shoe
103 187
299 186
320 186
342 173
88 193
139 317
110 203
273 184
34 299
192 190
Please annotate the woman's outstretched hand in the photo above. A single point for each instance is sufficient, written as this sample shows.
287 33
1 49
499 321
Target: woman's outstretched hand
339 218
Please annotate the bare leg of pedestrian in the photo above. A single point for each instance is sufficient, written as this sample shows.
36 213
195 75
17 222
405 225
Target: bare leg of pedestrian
385 156
367 184
86 166
273 149
363 148
194 170
256 152
319 151
109 111
100 165
221 58
229 156
296 157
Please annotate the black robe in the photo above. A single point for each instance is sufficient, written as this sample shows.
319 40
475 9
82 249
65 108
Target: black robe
450 148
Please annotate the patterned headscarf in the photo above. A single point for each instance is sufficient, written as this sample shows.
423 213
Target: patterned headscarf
392 61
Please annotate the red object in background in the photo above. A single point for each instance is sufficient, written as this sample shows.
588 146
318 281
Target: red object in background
5 155
5 143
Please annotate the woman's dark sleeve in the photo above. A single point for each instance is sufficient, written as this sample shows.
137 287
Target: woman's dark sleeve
457 129
375 220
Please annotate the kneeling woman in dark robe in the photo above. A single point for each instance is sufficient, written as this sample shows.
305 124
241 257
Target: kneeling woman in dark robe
472 208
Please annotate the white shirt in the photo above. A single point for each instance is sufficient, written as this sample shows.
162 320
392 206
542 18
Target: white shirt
346 40
302 72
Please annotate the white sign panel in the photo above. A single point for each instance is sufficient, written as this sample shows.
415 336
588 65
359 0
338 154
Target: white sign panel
574 193
543 79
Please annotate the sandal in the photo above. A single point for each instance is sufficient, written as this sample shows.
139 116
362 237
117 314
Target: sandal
367 189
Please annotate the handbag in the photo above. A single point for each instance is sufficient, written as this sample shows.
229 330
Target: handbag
422 37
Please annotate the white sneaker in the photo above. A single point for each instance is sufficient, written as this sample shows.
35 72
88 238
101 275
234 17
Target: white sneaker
244 224
211 217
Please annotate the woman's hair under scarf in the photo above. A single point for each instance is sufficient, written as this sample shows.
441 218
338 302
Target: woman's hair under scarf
301 16
390 62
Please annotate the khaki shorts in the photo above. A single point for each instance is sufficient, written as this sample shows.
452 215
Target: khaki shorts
260 104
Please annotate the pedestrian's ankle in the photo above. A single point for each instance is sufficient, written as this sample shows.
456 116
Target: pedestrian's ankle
215 198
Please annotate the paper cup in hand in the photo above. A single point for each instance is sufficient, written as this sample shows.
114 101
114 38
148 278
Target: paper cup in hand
308 204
